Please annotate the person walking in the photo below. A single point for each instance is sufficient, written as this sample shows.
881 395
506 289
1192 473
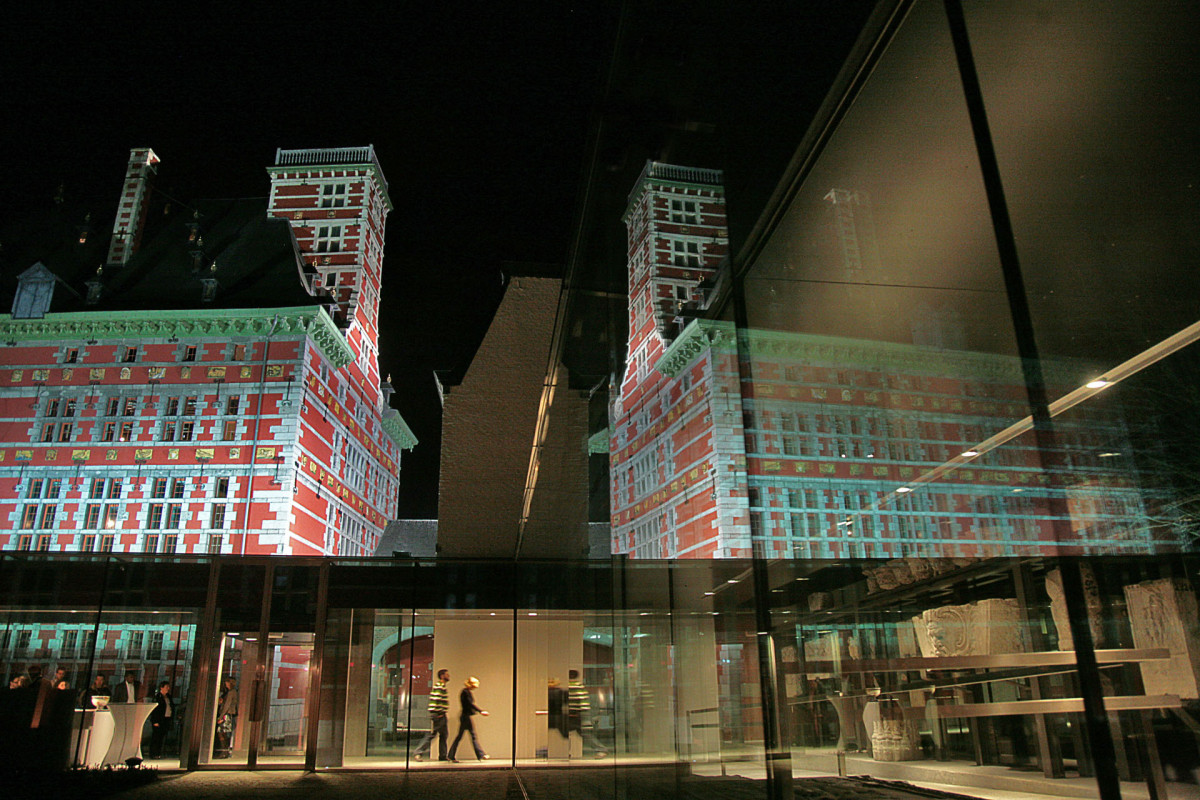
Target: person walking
466 699
579 709
439 704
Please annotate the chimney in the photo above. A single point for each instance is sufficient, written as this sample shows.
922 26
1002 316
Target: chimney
131 210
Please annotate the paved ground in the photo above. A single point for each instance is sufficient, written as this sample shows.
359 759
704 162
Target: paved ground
501 784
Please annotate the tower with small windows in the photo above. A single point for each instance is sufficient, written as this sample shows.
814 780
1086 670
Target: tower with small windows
336 200
677 237
675 442
131 209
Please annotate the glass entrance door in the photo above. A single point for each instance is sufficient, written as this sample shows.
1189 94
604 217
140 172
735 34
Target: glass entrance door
237 656
282 730
260 712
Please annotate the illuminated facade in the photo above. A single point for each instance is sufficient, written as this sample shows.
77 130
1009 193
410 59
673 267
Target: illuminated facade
200 425
811 446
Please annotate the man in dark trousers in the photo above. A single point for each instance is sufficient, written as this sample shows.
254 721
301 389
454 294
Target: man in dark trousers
162 717
439 704
466 699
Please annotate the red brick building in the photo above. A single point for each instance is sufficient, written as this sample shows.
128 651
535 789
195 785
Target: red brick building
213 385
668 465
727 441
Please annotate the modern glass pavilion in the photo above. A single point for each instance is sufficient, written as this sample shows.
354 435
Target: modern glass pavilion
1016 181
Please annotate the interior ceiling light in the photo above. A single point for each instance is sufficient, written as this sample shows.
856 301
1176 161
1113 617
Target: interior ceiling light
903 489
1099 383
970 453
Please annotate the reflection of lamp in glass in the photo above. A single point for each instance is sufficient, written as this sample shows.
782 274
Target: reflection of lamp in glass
1099 383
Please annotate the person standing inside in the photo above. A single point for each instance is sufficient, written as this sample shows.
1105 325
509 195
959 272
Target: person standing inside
127 691
99 688
162 717
227 711
466 699
439 704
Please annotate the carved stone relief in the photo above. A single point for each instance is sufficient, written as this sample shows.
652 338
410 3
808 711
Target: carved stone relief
1164 613
892 737
903 571
987 627
1058 607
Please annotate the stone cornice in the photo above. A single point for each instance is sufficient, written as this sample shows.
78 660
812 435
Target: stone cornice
698 336
651 184
885 357
373 168
395 427
313 321
893 358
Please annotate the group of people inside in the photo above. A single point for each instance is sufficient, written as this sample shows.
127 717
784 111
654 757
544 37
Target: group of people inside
56 691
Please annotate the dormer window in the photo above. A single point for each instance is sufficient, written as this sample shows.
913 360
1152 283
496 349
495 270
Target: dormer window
189 352
130 355
35 289
333 195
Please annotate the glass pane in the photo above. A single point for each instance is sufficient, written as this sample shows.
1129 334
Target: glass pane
285 723
100 676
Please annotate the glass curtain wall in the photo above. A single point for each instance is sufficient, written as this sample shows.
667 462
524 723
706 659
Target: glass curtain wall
631 677
965 405
88 648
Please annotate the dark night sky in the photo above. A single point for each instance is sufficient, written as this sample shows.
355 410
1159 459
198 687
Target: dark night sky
480 113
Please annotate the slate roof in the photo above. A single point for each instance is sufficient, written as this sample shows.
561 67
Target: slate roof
258 264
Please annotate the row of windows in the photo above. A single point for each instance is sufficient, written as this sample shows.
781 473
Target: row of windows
110 488
129 354
105 516
104 543
174 431
171 431
978 506
185 406
79 641
869 379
